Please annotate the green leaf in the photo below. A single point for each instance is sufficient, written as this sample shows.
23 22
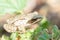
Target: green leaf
44 36
40 34
44 23
56 33
27 35
5 38
55 29
10 6
14 36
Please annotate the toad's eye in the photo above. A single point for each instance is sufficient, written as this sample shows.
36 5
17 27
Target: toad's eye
35 19
31 21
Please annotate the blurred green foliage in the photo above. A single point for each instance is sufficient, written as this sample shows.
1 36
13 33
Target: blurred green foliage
4 37
10 6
